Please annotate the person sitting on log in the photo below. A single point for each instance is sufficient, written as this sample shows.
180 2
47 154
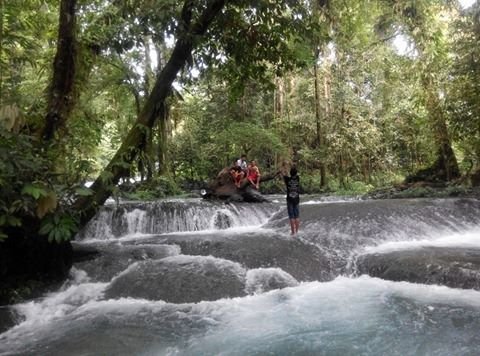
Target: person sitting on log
253 174
237 175
242 163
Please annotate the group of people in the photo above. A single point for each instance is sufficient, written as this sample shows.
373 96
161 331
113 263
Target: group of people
241 169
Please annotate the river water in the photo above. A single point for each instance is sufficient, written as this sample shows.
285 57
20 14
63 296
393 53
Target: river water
192 277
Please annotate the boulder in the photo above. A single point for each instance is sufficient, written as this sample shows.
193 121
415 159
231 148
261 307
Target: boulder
452 267
180 279
302 261
106 261
8 318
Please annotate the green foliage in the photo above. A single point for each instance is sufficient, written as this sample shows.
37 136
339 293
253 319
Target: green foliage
82 191
25 54
20 187
249 35
58 227
255 93
216 132
464 91
159 187
30 191
35 190
350 188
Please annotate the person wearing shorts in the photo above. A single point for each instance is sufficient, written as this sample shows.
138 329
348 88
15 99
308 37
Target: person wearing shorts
292 184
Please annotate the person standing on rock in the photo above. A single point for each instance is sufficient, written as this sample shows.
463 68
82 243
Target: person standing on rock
292 183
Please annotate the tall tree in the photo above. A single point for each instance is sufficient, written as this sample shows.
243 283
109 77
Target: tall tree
187 38
421 22
321 83
62 96
464 91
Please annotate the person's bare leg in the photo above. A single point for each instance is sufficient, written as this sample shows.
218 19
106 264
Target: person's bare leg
292 226
297 225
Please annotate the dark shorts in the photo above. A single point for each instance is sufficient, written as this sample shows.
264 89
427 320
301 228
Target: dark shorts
293 211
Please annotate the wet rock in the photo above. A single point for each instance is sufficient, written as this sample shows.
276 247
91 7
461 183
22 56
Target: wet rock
262 280
222 220
180 279
30 265
84 252
261 250
111 259
8 318
452 267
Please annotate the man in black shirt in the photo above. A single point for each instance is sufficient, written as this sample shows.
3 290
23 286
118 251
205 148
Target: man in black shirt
293 199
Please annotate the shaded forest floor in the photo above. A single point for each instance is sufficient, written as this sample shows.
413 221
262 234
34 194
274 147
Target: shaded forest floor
424 190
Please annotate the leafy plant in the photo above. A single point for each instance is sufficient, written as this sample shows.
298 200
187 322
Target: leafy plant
59 227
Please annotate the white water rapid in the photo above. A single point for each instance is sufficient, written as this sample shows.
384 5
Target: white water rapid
190 277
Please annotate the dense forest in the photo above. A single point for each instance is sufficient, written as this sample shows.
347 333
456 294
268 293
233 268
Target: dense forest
360 94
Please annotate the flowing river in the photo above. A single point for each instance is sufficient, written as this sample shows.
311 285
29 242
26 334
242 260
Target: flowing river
193 277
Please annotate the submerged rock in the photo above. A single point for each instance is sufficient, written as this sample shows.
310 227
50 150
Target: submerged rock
304 262
111 259
180 279
452 267
262 280
222 220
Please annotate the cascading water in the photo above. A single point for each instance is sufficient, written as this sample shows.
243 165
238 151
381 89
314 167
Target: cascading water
172 216
190 277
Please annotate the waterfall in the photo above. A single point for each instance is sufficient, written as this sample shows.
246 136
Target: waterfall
195 277
168 216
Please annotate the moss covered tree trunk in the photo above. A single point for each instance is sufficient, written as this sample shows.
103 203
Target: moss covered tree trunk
119 166
61 97
445 167
28 261
426 31
320 141
223 187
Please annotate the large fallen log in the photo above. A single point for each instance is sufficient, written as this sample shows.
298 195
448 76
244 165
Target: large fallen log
223 187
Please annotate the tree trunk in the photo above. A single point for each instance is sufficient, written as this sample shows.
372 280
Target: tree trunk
279 98
128 151
163 139
163 131
318 119
445 167
61 92
224 188
1 52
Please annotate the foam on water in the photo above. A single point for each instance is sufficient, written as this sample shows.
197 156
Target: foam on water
345 316
468 239
260 280
57 305
329 200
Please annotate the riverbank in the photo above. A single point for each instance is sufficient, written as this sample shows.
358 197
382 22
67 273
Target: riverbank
423 190
30 266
